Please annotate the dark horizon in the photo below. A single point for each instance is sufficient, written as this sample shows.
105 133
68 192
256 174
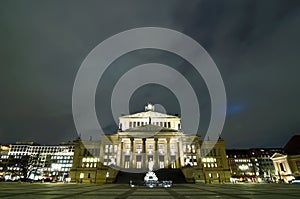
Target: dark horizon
254 44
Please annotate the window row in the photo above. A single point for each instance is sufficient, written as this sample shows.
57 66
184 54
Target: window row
89 165
161 124
210 152
109 148
62 157
210 165
90 159
187 148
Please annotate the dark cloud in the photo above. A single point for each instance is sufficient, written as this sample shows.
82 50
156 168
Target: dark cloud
254 43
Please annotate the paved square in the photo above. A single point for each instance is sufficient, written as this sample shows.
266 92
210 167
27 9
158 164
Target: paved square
120 191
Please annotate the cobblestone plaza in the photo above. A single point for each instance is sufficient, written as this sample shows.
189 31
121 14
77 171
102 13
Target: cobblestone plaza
89 191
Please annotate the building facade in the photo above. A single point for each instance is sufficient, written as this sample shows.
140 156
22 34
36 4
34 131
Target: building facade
4 149
287 163
29 160
150 136
263 164
254 165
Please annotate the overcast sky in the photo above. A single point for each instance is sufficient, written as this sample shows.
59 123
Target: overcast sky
254 43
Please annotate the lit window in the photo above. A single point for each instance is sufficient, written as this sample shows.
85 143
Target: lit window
161 148
188 148
81 175
138 148
161 165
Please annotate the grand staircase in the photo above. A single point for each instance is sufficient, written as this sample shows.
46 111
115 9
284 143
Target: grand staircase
175 175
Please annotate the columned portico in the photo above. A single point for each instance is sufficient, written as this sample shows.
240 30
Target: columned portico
156 137
134 153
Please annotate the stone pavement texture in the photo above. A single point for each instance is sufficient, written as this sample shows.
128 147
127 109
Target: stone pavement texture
121 191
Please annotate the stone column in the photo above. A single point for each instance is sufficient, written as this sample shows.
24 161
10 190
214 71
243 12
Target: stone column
167 155
132 153
120 154
102 148
181 159
155 154
144 157
198 155
178 154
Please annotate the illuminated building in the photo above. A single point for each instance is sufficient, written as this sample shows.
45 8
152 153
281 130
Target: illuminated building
252 164
263 164
33 161
146 136
3 159
287 163
240 164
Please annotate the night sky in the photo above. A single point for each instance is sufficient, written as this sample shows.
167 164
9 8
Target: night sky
254 43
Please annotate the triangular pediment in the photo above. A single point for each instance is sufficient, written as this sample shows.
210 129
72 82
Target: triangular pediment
147 114
277 155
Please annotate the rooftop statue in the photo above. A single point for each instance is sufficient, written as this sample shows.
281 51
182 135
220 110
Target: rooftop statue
149 107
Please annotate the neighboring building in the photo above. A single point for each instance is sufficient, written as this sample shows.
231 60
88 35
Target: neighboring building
240 164
149 136
287 164
263 165
4 149
33 161
252 164
214 164
86 163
